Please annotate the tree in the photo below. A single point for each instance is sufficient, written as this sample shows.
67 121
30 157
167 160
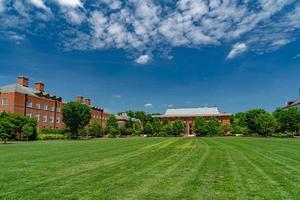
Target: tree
265 124
112 122
178 127
166 130
288 120
237 129
226 129
148 129
200 126
7 129
213 127
95 129
156 124
27 131
250 117
76 116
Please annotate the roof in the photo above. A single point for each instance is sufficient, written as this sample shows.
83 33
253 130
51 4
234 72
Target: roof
194 112
27 90
294 103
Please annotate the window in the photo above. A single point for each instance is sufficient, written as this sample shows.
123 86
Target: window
51 119
45 118
28 114
45 107
38 106
58 120
37 116
4 101
29 104
58 109
52 108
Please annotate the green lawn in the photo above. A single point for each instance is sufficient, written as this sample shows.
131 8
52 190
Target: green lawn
152 168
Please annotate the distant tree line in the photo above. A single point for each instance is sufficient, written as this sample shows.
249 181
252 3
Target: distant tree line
78 125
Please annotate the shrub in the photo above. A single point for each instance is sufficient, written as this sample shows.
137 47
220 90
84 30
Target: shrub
94 129
112 132
50 136
148 129
226 129
213 127
178 128
200 126
280 135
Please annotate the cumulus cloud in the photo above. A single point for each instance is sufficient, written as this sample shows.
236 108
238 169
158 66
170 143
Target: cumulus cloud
147 105
237 49
39 4
143 59
156 27
70 3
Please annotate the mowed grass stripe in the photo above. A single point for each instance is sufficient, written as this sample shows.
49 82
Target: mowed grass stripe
281 182
152 168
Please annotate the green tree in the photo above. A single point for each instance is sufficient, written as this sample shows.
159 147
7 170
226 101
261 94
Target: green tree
213 127
250 117
7 129
178 127
288 120
156 124
76 116
200 126
226 129
95 129
27 131
148 129
166 130
265 124
112 122
238 129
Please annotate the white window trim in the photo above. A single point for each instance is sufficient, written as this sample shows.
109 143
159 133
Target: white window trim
3 103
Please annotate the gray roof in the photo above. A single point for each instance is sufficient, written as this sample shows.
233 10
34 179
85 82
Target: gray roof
193 112
24 90
294 103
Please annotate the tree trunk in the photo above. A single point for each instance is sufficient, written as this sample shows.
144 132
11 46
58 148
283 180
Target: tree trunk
5 140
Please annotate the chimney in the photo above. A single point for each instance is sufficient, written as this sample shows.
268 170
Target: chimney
23 80
40 86
87 101
79 99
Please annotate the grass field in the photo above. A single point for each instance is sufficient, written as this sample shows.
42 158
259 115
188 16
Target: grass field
152 168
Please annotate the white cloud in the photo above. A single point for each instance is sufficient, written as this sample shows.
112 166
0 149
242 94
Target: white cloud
70 3
2 6
116 96
147 105
297 56
39 4
149 26
143 59
237 49
281 42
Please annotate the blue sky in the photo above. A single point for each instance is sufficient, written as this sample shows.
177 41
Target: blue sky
150 55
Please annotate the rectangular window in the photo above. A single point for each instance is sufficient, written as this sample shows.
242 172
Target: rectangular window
51 119
28 114
45 118
4 101
58 120
37 116
29 104
45 107
38 106
58 109
52 108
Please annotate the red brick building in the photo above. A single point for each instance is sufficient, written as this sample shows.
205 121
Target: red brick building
35 102
189 115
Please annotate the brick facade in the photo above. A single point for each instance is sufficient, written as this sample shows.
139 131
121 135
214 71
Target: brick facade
34 102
